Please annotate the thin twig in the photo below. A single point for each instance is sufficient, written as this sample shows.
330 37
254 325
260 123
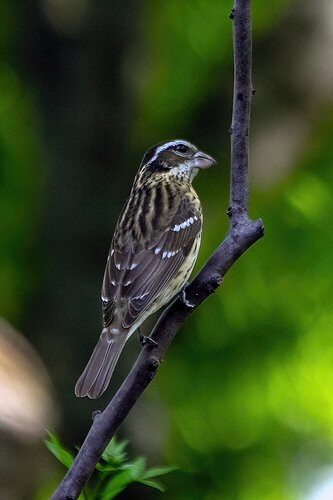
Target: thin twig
243 232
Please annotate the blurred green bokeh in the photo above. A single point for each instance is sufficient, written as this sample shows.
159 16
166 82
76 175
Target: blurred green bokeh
244 401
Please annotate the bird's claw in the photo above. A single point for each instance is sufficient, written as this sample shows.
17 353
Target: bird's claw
144 340
183 298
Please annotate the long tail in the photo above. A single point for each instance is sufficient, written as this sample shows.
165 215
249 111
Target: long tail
97 374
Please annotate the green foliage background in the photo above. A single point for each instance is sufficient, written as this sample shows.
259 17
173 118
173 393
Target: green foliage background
243 404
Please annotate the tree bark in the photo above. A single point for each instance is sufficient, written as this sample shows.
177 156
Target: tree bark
242 233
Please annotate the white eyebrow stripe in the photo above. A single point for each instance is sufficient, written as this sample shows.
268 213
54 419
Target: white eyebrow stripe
165 146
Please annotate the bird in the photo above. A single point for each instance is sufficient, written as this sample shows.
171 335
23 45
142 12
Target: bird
153 251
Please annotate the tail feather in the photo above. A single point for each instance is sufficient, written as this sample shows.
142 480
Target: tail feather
98 372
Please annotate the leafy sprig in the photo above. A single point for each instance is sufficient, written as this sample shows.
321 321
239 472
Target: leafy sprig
114 472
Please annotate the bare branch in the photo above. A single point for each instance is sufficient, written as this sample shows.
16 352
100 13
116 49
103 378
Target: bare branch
242 233
239 130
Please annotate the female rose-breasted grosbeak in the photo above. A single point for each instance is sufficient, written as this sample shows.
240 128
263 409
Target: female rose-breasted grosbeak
153 251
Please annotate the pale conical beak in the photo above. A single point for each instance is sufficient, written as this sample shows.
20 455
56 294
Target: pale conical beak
202 160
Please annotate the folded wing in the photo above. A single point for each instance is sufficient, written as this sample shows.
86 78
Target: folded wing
138 271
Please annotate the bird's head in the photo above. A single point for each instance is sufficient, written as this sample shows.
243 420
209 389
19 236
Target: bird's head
177 158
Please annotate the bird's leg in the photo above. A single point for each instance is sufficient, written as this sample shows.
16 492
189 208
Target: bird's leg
183 298
147 340
144 340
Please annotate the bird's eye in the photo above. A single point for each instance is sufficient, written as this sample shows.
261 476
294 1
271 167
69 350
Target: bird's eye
181 148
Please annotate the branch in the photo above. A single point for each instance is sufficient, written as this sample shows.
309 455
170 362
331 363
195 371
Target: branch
242 233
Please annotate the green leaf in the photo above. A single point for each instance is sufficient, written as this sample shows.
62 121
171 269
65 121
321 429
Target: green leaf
158 471
114 453
117 472
153 484
58 451
136 468
116 485
107 467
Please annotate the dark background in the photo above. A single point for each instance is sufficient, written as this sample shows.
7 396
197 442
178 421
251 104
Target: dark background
243 403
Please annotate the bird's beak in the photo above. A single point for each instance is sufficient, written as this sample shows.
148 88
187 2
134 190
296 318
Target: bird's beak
202 160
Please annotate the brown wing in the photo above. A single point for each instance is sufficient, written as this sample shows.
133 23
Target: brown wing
140 274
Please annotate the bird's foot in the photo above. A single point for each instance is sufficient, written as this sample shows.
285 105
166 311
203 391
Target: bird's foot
183 298
144 340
